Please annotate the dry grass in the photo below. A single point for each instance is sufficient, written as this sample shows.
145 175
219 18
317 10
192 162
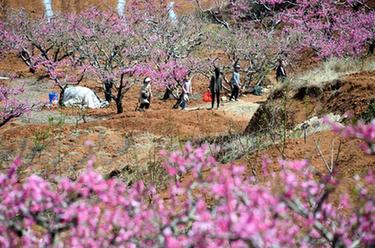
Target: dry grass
331 70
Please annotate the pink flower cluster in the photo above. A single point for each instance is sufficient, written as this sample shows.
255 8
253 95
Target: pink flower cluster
330 28
362 131
212 205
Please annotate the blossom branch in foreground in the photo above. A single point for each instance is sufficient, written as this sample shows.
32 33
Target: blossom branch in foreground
362 131
214 206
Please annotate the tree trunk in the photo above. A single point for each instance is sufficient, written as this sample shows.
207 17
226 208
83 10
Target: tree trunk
120 95
167 94
372 47
120 108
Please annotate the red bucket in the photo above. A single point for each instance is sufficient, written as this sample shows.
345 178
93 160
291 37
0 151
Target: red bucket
207 96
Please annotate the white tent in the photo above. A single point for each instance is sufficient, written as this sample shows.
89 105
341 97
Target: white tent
82 97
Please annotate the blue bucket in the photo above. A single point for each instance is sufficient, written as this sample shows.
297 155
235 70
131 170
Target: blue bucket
53 98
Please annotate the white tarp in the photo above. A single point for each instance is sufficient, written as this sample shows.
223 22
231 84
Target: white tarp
82 97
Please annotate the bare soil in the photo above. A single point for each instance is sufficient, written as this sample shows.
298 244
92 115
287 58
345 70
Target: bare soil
353 95
129 139
349 160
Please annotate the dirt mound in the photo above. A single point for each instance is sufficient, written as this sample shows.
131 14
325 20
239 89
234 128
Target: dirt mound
353 93
351 160
296 149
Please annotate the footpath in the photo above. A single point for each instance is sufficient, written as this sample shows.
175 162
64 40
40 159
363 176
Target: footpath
243 109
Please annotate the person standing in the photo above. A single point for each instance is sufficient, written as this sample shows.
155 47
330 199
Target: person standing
280 72
235 83
108 85
186 91
216 87
145 95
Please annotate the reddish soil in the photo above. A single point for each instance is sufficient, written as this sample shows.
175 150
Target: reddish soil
354 95
12 65
161 127
296 149
351 159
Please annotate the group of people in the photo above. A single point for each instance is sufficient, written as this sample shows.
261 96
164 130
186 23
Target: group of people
215 87
146 94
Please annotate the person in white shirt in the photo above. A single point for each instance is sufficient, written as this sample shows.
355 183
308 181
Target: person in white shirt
145 95
186 91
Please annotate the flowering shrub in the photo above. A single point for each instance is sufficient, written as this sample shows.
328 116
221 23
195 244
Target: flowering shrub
330 28
10 107
213 206
365 132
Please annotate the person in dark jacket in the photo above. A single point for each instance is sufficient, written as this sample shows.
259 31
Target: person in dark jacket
108 85
216 87
280 72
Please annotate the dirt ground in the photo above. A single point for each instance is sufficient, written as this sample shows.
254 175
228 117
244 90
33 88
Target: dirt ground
348 155
52 140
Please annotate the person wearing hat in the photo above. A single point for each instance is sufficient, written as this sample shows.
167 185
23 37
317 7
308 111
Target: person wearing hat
235 83
145 95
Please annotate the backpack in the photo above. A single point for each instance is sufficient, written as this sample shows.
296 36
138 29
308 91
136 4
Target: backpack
258 90
144 94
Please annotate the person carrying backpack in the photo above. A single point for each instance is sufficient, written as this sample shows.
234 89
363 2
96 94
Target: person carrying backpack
216 87
145 95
